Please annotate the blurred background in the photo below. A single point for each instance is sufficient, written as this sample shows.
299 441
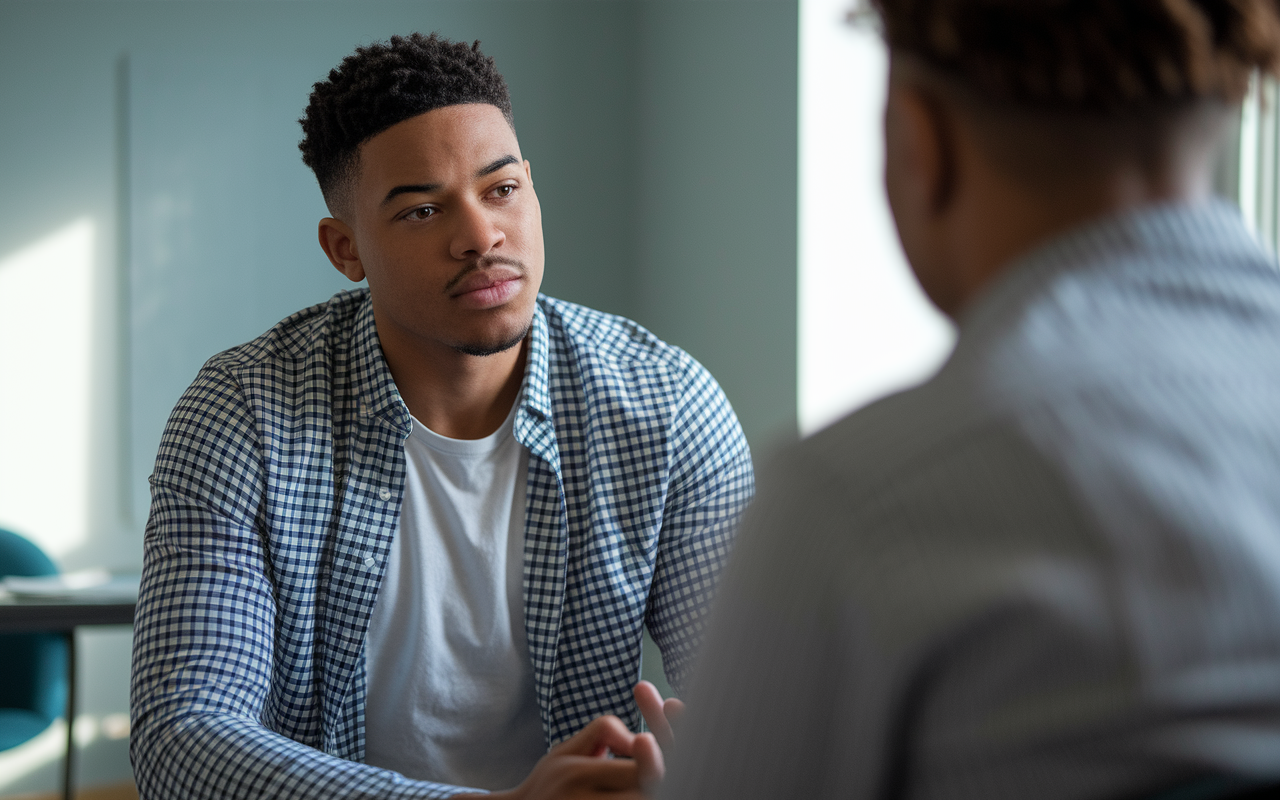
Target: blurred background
710 168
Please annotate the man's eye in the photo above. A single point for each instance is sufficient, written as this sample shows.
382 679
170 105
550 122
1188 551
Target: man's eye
504 191
420 213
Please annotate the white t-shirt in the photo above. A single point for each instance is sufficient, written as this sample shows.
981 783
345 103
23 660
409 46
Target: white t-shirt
450 686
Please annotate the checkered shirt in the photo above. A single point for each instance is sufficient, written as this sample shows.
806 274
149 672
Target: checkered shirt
275 498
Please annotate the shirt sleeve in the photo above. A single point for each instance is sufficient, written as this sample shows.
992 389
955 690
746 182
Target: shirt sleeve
711 484
206 673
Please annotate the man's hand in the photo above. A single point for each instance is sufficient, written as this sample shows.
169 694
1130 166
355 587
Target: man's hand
580 767
659 714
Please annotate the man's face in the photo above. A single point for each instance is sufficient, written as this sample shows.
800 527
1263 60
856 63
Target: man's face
448 231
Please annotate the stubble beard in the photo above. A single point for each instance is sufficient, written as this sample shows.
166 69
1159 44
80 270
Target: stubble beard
473 349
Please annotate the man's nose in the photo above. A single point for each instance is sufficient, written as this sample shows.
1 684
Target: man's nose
476 233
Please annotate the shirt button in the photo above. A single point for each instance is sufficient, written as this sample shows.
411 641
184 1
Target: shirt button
369 561
364 409
385 494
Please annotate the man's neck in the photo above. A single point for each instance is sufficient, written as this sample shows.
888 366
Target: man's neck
1006 225
1001 208
454 394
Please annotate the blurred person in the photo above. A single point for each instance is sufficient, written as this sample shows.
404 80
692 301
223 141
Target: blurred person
1053 570
408 539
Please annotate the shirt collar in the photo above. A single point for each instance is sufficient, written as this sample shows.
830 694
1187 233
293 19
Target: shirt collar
536 397
376 393
1147 238
376 389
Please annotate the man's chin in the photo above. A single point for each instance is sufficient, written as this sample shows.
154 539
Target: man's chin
495 346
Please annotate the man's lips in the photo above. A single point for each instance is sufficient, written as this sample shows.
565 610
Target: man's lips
482 279
487 287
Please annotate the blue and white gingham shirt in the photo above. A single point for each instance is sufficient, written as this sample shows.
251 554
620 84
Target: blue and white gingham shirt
277 493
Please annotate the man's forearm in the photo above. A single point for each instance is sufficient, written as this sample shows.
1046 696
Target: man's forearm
218 756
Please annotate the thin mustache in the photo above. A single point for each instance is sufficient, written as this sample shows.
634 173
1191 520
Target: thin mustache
484 262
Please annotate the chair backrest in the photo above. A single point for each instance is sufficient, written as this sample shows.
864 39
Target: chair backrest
33 672
19 556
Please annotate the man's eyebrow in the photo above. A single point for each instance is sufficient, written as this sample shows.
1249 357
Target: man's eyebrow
497 165
434 187
410 188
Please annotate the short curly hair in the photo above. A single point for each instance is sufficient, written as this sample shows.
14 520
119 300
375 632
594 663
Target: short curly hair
1090 55
385 83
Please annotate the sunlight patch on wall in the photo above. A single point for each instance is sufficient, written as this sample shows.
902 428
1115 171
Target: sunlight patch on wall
865 328
46 311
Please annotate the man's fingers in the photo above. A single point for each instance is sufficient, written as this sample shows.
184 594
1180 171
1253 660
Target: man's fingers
574 767
585 774
601 734
648 758
649 699
674 710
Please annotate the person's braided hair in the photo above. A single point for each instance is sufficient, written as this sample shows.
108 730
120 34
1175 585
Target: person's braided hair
1097 55
383 84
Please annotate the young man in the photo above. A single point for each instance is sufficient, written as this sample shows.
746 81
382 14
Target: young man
422 526
1052 571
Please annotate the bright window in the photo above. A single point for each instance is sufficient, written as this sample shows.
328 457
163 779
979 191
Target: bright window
865 328
1259 162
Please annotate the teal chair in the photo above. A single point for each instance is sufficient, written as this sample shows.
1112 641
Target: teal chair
33 667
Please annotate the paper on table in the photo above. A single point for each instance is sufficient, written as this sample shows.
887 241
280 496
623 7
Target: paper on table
96 584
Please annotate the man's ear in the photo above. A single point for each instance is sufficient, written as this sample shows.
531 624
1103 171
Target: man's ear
339 243
925 137
921 182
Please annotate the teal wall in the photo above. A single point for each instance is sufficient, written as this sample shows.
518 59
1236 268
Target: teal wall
716 271
663 142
